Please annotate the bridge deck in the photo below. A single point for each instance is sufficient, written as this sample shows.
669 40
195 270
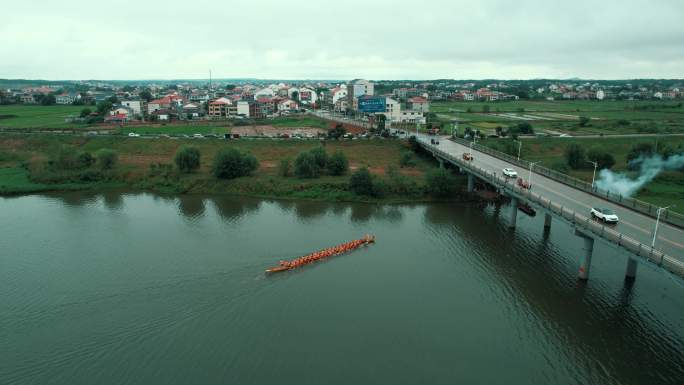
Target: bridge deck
633 225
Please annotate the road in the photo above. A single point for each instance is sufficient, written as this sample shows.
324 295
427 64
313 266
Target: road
633 224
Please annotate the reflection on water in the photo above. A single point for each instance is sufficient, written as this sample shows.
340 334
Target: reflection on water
139 288
191 207
232 210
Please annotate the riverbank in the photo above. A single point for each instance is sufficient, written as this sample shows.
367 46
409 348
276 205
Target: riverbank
27 166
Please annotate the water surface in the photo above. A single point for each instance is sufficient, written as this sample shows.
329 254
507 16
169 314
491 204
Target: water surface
141 289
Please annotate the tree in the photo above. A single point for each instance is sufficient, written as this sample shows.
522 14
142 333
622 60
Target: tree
406 159
230 87
603 158
284 167
84 159
146 95
485 109
440 182
306 166
230 163
638 150
337 164
295 95
524 128
104 107
106 158
187 158
574 156
381 119
113 99
48 100
430 118
361 182
319 156
337 132
127 88
584 121
85 112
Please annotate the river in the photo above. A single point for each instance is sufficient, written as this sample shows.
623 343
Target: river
133 288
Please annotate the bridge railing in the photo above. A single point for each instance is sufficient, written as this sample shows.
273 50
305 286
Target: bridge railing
580 221
634 204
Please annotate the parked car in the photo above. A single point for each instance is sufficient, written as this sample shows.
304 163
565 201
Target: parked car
198 136
133 135
564 136
605 215
510 173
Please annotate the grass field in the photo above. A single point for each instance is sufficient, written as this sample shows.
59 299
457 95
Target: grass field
608 117
298 121
35 116
137 156
667 188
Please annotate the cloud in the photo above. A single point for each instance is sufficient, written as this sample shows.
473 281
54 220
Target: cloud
342 39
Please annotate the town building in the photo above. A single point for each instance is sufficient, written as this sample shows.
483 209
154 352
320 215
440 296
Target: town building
357 88
222 108
419 104
135 105
67 98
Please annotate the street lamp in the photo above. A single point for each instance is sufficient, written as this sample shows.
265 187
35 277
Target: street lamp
519 147
593 176
529 179
655 229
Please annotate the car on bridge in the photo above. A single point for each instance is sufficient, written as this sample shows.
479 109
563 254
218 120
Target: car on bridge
510 173
467 156
605 215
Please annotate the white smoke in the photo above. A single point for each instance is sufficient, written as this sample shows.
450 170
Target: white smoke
649 168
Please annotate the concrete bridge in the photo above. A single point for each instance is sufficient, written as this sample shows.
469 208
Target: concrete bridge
561 201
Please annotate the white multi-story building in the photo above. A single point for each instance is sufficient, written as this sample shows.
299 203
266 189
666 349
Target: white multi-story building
307 96
411 116
360 87
600 94
392 110
243 108
338 93
135 105
264 93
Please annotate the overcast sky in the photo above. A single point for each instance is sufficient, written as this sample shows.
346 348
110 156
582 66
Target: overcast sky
343 39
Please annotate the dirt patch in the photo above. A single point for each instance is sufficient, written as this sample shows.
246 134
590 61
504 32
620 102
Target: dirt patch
12 144
273 132
348 127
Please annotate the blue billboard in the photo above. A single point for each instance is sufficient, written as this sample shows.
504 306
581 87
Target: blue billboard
371 104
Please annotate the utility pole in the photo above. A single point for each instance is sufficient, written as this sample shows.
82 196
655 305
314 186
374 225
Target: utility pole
529 179
593 176
655 230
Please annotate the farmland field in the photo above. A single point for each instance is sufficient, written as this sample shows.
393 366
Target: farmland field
666 188
36 116
607 117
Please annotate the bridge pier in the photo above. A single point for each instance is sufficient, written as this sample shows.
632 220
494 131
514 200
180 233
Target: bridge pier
514 212
547 221
471 182
585 259
630 273
441 162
